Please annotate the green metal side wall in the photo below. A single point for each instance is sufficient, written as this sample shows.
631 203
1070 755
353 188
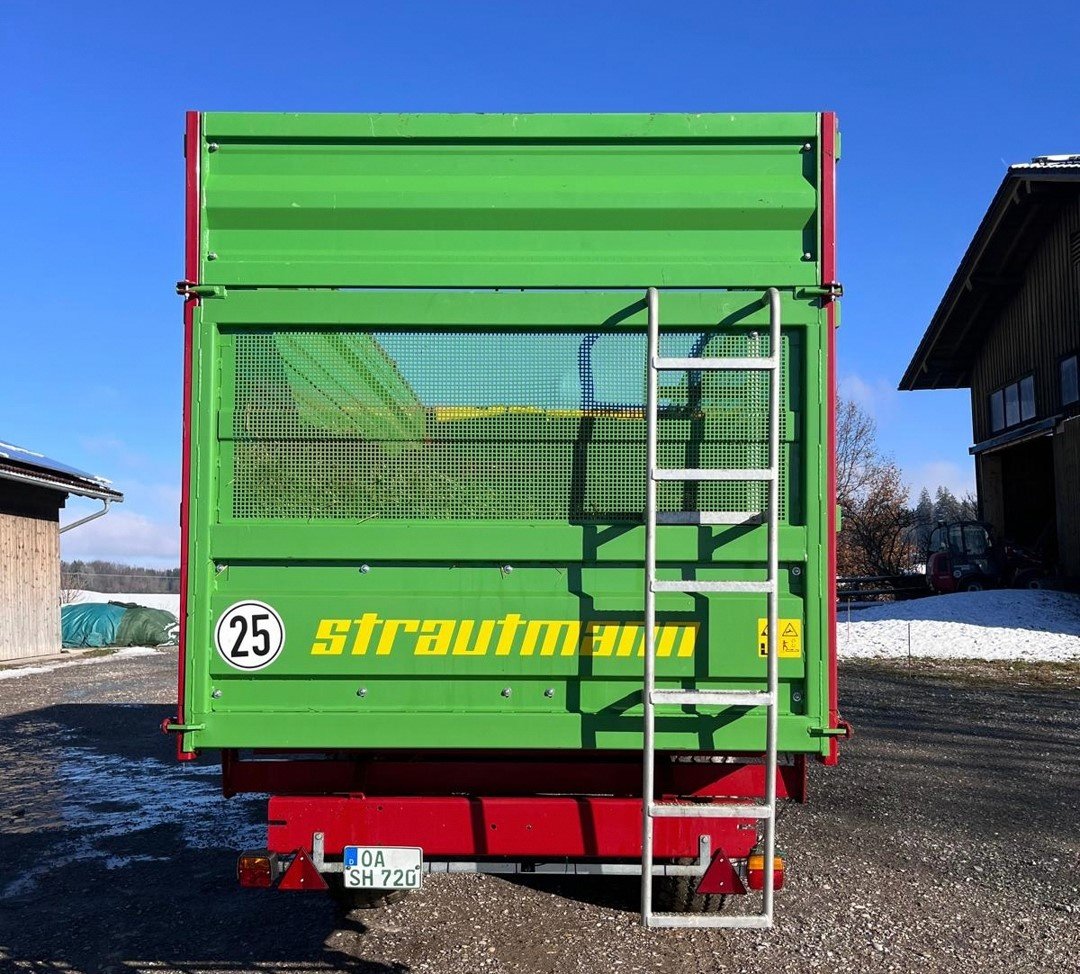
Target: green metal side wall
425 356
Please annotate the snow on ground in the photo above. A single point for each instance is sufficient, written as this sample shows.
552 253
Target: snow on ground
14 672
1006 624
149 600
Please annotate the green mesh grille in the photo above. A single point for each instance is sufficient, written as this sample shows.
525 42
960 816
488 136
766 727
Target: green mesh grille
488 424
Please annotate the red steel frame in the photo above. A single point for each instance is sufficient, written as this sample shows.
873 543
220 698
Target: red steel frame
828 278
192 153
469 806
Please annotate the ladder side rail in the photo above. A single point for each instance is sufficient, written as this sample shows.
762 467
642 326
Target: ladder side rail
775 376
648 755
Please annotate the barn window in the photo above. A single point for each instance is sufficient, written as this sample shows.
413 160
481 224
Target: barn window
1027 398
997 411
1070 392
1012 405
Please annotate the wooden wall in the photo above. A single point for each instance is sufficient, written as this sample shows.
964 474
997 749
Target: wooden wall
29 572
1036 328
1067 477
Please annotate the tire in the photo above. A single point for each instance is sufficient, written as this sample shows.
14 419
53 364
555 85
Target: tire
675 894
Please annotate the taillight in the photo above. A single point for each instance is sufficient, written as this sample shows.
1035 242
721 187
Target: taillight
755 871
257 869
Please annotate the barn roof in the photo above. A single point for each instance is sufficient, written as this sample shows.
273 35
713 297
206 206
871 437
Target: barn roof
25 466
1029 200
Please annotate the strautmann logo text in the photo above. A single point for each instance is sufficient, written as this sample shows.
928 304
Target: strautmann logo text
512 635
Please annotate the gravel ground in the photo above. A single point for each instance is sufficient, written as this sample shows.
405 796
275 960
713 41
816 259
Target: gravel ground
946 840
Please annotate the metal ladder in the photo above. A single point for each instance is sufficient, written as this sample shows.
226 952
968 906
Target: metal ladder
765 811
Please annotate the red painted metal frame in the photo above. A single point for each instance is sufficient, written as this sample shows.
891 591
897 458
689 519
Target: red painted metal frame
458 827
828 277
192 152
428 774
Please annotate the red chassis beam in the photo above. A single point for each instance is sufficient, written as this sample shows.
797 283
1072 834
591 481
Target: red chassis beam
477 806
499 775
538 827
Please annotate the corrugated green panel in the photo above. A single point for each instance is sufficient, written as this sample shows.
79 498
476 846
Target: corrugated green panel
437 436
510 200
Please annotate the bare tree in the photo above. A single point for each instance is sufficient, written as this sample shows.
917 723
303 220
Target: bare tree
877 536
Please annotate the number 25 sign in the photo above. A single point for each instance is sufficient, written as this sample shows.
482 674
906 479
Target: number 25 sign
249 635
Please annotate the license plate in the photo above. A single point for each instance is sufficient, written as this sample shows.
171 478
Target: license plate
383 867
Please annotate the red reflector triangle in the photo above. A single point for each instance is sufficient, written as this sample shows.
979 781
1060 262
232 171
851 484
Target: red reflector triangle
302 874
720 877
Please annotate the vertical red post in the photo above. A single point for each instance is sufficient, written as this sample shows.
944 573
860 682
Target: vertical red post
828 277
192 152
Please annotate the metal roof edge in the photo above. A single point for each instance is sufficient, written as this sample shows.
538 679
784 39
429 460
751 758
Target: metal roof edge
63 483
1003 198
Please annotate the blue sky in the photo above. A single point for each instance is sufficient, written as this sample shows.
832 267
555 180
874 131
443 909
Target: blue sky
935 99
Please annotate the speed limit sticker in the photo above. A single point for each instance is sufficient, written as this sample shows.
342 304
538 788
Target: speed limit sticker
249 635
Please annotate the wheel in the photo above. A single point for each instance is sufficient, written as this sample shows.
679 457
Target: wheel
675 894
972 587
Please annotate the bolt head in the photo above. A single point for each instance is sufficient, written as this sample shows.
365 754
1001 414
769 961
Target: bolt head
507 569
808 256
796 570
796 696
362 692
219 568
212 147
211 256
364 569
549 692
216 694
807 146
506 691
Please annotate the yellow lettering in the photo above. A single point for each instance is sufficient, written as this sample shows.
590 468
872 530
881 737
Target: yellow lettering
365 628
330 637
389 633
510 623
438 644
555 629
600 639
483 638
628 638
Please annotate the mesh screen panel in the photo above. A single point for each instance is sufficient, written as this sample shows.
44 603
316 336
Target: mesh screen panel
488 424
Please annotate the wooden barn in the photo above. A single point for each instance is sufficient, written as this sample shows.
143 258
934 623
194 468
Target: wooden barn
1008 329
33 490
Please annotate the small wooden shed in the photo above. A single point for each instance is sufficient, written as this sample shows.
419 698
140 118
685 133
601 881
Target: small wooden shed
33 490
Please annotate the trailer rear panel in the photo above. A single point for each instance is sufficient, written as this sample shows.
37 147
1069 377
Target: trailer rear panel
415 448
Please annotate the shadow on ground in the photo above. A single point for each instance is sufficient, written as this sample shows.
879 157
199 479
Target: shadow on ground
116 858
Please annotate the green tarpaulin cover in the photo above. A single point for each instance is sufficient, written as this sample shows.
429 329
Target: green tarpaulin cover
94 624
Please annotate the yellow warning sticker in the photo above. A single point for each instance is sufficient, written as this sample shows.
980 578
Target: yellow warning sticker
789 640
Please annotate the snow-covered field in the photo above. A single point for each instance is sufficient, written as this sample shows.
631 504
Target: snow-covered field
170 602
998 625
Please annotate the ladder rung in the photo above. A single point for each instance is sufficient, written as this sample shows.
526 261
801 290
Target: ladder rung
721 698
688 585
697 474
736 921
713 364
708 810
709 517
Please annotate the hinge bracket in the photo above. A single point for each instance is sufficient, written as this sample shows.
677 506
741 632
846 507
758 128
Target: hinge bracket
188 289
830 291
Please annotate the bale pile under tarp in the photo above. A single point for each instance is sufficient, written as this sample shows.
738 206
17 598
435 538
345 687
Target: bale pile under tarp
90 625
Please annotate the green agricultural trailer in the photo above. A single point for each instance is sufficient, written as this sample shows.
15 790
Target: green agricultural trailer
509 518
